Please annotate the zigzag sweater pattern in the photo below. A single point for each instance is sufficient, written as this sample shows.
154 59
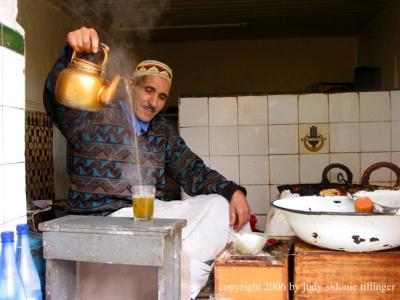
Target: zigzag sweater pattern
102 160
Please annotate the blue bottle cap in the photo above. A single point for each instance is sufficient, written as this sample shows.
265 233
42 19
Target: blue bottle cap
7 237
22 228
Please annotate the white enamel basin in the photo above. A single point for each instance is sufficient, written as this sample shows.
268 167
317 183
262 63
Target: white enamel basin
331 222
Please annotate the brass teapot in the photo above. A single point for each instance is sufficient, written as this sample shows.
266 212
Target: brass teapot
82 85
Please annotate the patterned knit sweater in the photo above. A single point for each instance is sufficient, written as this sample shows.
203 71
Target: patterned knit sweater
104 162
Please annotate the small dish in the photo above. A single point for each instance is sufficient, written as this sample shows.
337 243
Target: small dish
249 243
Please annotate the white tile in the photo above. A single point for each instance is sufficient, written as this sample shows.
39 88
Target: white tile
14 191
3 202
311 167
375 136
313 108
253 140
396 161
193 112
284 169
395 105
253 110
228 166
379 183
345 137
223 111
261 222
258 197
12 224
14 79
1 74
206 160
254 170
13 135
350 160
368 159
395 135
283 109
224 140
344 107
1 133
374 106
274 192
396 158
196 138
283 139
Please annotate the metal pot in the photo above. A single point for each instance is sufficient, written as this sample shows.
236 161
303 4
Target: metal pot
345 183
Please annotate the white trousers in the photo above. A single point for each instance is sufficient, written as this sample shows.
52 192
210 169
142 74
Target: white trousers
206 233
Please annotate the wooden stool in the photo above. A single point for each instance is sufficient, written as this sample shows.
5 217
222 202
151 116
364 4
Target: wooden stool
99 239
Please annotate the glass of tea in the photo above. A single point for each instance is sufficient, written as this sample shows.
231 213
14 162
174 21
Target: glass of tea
143 201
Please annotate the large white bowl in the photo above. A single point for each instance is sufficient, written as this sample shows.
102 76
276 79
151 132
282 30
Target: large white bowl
331 222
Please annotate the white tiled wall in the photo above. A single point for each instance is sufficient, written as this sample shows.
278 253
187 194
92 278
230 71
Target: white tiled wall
223 111
283 139
374 106
344 107
283 109
12 138
254 140
313 108
253 110
224 140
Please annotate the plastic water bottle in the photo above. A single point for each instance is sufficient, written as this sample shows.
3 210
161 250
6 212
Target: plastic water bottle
11 286
26 266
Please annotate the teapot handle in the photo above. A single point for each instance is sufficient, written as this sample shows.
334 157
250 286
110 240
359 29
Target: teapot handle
105 61
73 56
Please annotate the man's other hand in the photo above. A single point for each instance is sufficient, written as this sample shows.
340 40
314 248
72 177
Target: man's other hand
239 210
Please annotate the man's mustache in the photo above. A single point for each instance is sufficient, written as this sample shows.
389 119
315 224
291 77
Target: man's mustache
150 107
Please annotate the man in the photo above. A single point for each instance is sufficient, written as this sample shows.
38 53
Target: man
103 164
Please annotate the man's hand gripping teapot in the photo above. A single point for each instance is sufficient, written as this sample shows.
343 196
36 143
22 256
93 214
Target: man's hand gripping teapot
82 85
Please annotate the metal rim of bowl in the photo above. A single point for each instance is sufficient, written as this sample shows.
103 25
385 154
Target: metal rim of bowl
322 213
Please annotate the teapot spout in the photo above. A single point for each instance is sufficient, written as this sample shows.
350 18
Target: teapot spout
108 93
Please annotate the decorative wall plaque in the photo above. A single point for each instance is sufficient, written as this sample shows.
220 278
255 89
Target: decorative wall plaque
314 138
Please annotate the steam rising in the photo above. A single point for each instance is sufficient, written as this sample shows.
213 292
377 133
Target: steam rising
124 26
131 25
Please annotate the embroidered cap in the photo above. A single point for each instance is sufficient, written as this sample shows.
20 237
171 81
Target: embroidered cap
153 67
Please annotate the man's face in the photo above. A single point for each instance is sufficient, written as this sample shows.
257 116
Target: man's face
150 94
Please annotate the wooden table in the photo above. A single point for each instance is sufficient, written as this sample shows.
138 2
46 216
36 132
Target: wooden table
330 274
100 239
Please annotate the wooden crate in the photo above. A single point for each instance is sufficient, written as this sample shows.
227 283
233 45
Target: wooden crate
264 276
329 274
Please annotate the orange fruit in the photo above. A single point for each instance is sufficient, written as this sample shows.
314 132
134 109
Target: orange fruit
364 205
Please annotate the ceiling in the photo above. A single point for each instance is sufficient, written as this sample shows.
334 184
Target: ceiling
182 20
